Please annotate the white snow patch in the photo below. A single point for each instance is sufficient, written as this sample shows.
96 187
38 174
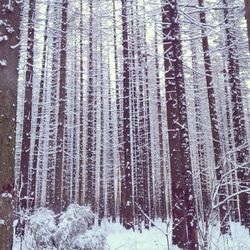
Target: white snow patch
3 38
6 195
3 62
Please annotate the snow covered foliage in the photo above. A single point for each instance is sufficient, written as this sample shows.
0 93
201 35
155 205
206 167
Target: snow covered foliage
74 222
41 227
91 240
73 232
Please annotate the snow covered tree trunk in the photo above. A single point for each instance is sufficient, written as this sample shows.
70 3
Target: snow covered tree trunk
183 202
25 153
50 196
163 205
39 115
224 217
81 148
119 105
9 56
126 188
90 168
61 113
239 127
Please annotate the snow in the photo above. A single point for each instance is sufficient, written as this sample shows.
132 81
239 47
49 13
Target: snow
122 239
6 195
2 222
3 38
118 238
153 239
3 62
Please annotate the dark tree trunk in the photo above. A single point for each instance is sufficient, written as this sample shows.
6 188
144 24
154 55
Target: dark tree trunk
126 191
111 183
8 95
25 152
184 214
90 168
61 113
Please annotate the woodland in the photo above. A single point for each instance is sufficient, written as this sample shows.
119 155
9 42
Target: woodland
131 115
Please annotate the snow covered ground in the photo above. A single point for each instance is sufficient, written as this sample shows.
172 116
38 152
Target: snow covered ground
153 239
119 238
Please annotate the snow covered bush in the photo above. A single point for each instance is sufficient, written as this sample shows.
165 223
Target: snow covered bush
74 222
40 228
73 232
91 240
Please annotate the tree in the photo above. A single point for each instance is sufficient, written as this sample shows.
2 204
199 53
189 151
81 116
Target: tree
239 127
9 55
61 113
214 120
90 168
183 202
26 138
126 188
39 115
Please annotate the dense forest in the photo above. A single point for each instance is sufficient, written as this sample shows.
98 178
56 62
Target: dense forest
138 110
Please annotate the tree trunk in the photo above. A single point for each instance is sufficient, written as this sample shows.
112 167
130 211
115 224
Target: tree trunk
239 127
126 192
90 168
61 113
39 116
10 15
184 221
223 209
25 153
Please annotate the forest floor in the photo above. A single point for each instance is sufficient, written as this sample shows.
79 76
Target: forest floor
118 238
121 239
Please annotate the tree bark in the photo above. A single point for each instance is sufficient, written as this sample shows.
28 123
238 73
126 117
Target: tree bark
126 192
61 113
9 55
25 153
184 214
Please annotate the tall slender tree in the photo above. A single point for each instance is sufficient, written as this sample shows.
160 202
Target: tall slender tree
10 12
62 110
224 217
184 214
126 191
239 127
26 133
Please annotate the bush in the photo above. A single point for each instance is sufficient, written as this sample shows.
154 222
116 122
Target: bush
91 240
72 233
41 227
75 221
